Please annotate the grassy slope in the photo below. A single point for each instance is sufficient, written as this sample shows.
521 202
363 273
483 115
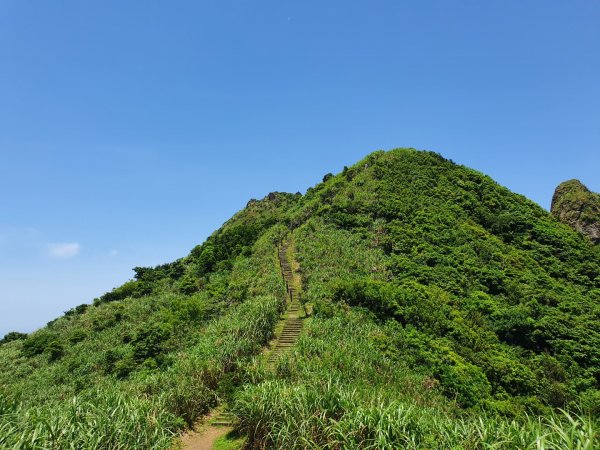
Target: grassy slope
441 298
446 308
152 355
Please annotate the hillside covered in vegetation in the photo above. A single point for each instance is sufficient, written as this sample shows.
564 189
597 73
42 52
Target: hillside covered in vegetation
446 312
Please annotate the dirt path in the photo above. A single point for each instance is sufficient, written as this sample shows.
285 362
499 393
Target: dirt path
205 439
220 422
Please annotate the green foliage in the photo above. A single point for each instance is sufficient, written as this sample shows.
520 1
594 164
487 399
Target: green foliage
346 386
149 341
331 415
12 336
40 342
140 368
488 280
99 419
448 312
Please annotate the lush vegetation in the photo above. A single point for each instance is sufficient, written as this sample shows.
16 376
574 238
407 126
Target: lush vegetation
342 389
448 312
130 373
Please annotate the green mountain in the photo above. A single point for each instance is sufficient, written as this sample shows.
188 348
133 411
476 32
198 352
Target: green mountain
578 207
442 311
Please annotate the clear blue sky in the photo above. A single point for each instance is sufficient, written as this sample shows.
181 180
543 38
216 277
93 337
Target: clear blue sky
129 131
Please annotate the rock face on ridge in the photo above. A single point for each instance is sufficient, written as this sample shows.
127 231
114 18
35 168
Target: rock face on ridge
577 206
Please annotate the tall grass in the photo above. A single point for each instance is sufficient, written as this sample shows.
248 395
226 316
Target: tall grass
99 419
333 415
340 388
147 409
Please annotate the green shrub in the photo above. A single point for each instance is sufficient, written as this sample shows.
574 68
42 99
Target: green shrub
13 336
38 342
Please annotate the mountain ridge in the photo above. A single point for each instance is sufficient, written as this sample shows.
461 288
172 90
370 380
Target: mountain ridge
438 297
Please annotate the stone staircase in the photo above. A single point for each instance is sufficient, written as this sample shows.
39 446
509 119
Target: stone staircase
222 418
292 326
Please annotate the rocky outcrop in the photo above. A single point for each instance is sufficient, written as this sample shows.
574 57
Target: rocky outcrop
578 207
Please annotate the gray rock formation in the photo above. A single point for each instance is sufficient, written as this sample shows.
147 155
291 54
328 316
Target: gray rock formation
578 207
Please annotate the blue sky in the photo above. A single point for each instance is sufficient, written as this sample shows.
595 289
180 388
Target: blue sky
129 131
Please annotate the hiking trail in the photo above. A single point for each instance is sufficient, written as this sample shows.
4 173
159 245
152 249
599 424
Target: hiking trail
220 422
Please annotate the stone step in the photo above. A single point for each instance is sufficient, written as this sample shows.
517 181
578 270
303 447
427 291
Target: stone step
292 326
222 424
223 420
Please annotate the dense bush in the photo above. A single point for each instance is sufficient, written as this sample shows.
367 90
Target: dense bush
12 336
489 282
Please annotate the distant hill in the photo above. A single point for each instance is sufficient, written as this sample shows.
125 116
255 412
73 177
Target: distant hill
447 312
578 207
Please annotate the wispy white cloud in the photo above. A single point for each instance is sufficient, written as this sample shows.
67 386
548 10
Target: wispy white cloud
63 250
113 252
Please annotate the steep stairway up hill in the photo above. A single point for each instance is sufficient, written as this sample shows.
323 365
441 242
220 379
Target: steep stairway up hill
292 326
